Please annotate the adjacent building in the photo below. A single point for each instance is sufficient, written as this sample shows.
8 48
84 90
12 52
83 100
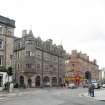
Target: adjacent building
102 74
79 69
38 63
7 26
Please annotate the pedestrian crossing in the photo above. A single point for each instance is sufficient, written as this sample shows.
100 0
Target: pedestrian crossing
3 99
92 99
6 98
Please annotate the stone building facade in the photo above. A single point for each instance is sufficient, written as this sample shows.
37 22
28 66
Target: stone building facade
6 41
79 69
38 63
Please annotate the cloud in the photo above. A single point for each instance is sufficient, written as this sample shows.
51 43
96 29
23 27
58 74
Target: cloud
79 24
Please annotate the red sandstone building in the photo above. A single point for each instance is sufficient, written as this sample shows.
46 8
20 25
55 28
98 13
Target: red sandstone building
79 69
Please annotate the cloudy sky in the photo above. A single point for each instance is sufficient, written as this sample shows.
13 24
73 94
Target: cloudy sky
77 24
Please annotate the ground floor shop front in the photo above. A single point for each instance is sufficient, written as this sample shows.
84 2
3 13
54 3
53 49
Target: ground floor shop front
33 80
78 78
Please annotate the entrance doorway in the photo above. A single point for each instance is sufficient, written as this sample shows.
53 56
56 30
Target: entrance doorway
54 81
29 83
37 81
46 81
21 81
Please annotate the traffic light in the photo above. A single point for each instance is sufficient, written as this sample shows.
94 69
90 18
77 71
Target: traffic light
87 75
10 73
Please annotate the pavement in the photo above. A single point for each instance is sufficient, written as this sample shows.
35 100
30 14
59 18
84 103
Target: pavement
48 96
19 92
99 95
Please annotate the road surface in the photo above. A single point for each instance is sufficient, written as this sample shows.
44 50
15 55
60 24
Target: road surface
52 96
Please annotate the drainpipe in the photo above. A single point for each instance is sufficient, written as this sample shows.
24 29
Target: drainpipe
58 70
42 70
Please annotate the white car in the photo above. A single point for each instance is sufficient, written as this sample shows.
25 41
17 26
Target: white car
47 84
96 85
72 86
103 85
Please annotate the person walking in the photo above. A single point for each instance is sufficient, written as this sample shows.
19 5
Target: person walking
91 90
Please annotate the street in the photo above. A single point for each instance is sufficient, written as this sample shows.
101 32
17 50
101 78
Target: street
52 96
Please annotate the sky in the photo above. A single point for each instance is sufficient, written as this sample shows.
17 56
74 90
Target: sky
76 24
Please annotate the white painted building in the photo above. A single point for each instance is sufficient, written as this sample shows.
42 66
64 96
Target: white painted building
4 79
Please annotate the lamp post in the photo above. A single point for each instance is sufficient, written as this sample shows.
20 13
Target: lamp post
9 72
58 70
14 67
42 70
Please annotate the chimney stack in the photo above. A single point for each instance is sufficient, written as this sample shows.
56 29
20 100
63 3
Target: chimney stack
24 33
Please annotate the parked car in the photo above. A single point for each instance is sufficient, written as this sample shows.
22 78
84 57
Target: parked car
47 84
96 85
85 85
72 86
103 85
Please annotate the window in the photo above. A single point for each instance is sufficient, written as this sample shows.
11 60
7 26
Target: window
1 43
73 67
29 42
28 66
38 67
9 32
1 80
19 45
18 66
0 61
29 53
38 54
46 67
18 55
1 29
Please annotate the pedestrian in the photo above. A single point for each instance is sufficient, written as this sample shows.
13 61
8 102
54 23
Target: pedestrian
89 89
92 90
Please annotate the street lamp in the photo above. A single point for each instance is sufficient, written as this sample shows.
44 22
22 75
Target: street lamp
14 67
